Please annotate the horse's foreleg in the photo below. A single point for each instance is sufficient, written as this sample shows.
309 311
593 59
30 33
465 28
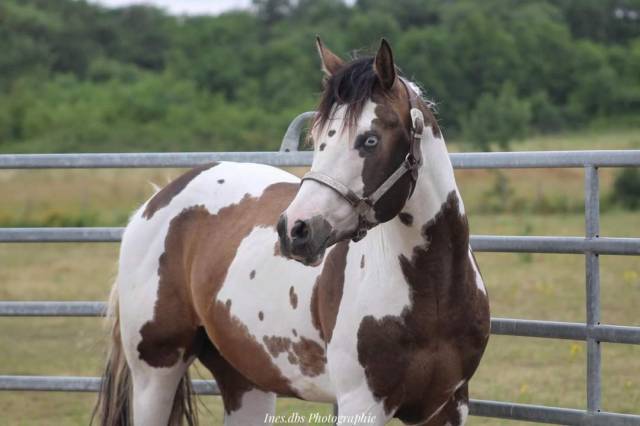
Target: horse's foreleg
360 408
456 410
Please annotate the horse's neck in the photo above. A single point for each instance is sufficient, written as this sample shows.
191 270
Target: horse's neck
435 183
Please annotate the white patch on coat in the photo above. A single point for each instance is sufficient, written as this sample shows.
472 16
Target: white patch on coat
268 292
256 408
479 281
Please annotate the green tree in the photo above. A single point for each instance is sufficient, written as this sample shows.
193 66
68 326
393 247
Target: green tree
497 119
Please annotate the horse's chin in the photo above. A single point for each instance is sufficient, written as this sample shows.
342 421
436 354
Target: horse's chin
313 261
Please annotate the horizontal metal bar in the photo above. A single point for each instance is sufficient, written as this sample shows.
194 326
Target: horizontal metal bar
545 159
52 309
483 243
61 235
468 160
565 330
149 160
80 384
553 415
539 244
505 410
499 326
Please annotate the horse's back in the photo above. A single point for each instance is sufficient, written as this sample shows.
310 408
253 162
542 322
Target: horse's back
202 252
158 237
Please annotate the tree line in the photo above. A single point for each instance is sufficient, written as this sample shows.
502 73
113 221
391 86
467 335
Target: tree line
75 76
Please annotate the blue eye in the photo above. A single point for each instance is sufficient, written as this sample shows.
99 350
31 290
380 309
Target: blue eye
371 141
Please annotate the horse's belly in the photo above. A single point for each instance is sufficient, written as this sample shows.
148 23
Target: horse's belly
270 296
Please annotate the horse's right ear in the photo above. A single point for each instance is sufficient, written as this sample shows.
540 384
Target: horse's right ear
331 63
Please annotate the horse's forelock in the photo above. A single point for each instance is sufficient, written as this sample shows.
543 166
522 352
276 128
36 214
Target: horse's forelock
353 85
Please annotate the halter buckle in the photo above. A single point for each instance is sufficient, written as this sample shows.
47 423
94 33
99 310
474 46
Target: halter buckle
417 121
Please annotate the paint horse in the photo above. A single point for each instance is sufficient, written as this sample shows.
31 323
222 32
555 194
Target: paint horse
356 285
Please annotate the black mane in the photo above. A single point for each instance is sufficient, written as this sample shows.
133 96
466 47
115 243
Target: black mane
353 85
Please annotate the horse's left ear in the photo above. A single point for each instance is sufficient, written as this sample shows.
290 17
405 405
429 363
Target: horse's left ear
383 65
331 63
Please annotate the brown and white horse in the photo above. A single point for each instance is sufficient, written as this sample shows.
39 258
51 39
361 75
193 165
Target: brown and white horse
357 285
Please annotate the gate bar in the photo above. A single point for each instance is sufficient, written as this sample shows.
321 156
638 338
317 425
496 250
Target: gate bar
481 243
499 326
466 160
505 410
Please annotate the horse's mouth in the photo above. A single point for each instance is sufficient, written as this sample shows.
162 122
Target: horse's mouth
313 261
311 256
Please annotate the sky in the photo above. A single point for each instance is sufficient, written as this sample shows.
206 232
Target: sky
191 7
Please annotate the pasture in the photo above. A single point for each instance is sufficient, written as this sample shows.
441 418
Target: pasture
549 286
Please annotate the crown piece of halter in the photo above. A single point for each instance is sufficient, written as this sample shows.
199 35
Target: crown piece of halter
411 164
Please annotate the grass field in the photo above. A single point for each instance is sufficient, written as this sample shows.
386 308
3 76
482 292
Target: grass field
550 287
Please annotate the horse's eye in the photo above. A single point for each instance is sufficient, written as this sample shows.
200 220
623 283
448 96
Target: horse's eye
371 141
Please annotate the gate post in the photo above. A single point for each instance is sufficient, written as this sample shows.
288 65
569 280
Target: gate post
592 272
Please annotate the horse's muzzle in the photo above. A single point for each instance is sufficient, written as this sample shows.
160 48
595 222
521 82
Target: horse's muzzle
307 240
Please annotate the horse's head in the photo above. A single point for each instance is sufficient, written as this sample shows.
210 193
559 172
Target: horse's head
366 138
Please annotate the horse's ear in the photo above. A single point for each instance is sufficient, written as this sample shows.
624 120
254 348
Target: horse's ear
383 65
331 63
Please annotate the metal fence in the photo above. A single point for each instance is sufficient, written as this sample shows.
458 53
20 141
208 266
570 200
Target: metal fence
591 245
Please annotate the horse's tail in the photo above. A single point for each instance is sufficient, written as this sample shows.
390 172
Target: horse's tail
114 401
114 405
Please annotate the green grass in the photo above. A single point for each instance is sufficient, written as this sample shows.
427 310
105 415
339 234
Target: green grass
538 286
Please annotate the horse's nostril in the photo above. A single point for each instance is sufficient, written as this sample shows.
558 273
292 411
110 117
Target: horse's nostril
282 226
300 231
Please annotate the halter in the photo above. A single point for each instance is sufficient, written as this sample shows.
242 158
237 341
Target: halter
411 164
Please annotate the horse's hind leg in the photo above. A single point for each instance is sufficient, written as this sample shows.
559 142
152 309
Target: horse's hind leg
155 394
244 404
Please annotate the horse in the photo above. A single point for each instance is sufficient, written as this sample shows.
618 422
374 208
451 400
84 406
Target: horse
356 285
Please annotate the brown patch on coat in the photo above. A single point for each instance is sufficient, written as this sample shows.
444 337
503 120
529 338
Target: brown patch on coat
311 357
252 274
306 353
449 414
327 291
260 315
294 332
414 360
386 159
199 248
332 132
293 298
175 321
322 146
221 181
231 383
277 345
245 353
362 262
406 218
166 194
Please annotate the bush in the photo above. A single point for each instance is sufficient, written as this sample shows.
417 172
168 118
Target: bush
626 188
498 119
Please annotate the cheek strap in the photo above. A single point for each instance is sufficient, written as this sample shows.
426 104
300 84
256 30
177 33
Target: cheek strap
411 164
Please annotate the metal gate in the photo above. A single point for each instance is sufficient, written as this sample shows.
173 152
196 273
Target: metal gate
591 245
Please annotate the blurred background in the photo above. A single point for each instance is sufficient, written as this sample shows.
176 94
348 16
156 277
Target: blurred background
79 77
112 76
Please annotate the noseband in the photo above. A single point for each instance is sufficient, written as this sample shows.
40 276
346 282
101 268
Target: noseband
411 164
